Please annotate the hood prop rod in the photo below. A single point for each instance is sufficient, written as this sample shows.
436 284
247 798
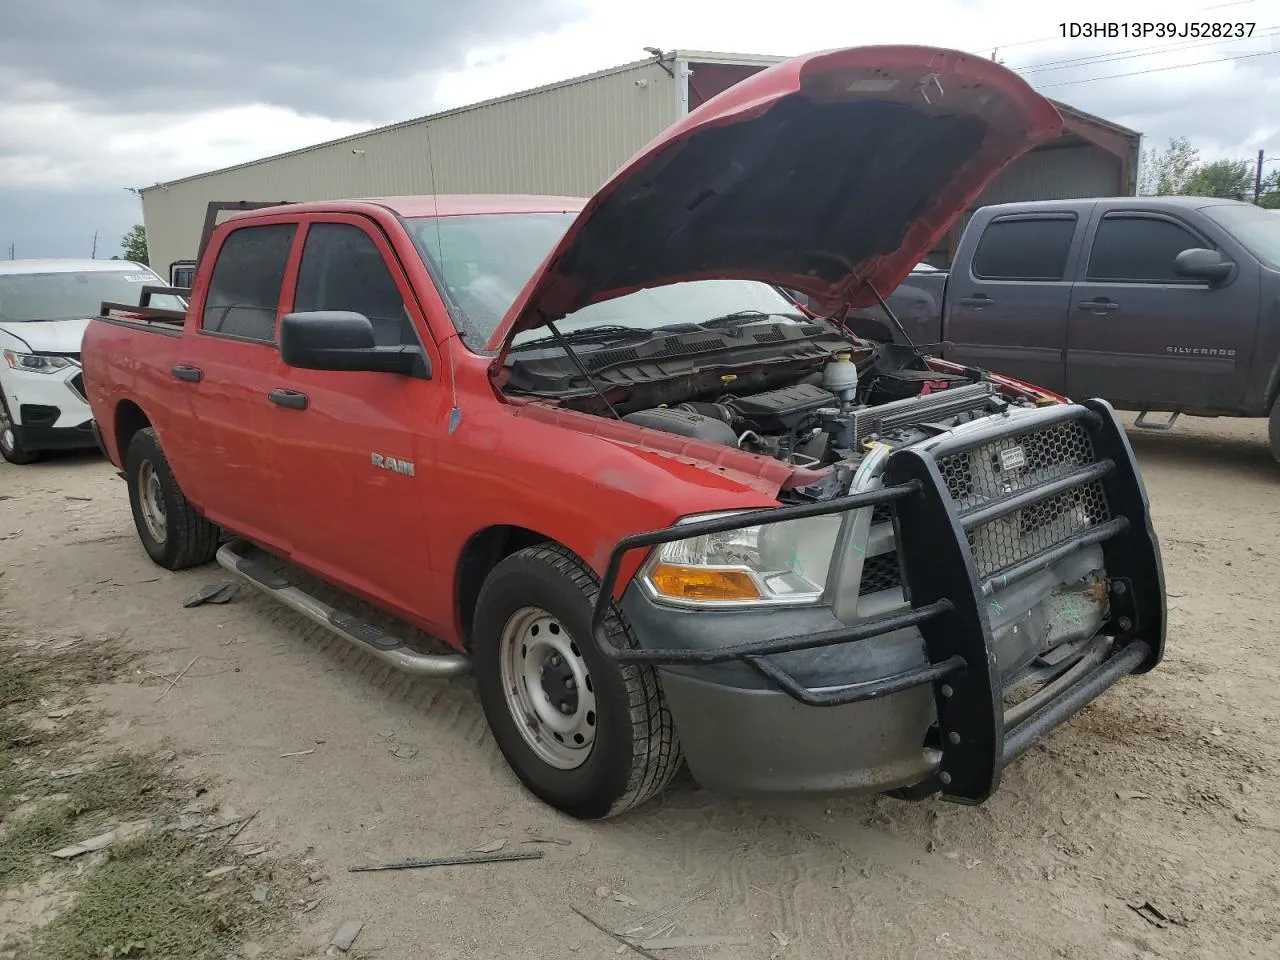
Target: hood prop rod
896 322
577 361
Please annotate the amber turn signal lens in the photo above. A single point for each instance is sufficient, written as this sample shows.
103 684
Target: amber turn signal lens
699 583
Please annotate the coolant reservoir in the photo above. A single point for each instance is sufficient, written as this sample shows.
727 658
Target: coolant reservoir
840 376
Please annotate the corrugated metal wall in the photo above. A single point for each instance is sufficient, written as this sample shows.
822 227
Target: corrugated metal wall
563 140
1062 173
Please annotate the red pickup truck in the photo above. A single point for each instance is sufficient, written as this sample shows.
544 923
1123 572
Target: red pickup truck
660 511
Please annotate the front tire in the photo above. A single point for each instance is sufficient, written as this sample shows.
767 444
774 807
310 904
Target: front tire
174 535
11 447
591 737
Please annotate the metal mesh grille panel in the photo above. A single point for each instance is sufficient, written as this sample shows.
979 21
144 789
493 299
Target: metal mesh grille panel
880 573
1015 463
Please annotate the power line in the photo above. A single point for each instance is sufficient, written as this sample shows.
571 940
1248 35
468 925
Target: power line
1179 66
1136 52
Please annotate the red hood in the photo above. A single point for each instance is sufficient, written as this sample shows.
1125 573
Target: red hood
822 174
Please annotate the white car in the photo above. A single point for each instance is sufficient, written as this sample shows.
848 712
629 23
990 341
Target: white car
45 306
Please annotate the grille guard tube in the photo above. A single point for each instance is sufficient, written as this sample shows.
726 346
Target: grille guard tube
948 597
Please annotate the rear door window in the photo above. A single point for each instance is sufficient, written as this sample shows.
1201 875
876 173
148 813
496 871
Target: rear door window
1135 249
1024 248
244 291
343 269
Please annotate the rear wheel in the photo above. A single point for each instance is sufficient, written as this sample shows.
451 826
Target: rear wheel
1273 429
591 737
174 535
11 447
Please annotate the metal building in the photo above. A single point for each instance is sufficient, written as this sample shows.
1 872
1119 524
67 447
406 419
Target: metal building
566 139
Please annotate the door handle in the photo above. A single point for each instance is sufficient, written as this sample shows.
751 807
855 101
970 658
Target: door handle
1100 305
981 300
189 374
288 398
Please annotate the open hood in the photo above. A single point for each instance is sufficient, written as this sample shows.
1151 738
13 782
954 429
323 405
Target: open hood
822 174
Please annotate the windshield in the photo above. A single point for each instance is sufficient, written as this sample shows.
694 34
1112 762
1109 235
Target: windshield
75 295
485 260
1257 229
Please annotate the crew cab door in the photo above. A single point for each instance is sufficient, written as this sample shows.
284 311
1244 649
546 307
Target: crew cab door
1006 304
1142 336
224 370
352 471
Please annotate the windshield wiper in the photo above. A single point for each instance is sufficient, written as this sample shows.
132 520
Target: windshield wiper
603 333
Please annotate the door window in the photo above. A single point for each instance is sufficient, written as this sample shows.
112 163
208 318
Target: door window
1024 248
342 269
244 291
1139 250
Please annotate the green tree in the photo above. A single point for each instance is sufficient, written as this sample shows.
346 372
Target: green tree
1270 196
1167 172
134 244
1225 179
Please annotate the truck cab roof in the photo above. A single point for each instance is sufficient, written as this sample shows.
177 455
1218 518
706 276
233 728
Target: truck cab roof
1115 203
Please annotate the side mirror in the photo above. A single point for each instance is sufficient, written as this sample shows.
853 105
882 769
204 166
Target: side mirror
338 340
1208 266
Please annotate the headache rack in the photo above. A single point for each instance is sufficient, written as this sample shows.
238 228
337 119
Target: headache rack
981 510
143 312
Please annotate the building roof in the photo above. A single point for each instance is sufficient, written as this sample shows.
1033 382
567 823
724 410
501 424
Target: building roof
445 205
690 56
69 265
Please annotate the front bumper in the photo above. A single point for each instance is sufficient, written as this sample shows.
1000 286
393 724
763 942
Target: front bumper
751 714
49 411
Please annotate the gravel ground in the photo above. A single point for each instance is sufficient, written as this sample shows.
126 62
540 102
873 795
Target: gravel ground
1165 793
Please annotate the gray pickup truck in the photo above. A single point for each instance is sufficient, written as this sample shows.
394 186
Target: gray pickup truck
1158 304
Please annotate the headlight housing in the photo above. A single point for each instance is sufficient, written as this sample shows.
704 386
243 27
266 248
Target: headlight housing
769 564
35 362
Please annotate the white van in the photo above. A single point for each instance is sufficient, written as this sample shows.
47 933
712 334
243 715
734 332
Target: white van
45 306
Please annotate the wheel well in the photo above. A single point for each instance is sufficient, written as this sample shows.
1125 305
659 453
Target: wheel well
129 420
483 552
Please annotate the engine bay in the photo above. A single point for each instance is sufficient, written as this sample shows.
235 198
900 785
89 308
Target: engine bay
820 402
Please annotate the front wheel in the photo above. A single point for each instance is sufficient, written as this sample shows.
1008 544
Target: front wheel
589 736
174 535
11 447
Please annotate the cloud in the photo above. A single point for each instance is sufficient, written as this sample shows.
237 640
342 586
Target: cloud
331 58
98 97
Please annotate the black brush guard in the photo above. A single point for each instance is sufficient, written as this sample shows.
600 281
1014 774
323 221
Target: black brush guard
946 596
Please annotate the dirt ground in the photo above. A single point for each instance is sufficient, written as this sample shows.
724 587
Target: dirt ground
1166 792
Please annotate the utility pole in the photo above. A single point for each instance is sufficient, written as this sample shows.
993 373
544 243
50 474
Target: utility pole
12 253
1257 179
94 254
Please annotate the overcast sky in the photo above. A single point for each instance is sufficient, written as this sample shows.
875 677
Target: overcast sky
103 96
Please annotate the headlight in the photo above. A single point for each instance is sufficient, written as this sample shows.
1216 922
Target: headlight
35 363
784 562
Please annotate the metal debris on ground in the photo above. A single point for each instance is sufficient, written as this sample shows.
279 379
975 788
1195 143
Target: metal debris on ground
534 838
224 591
311 905
493 846
298 753
1132 795
346 935
461 860
1149 912
220 872
240 828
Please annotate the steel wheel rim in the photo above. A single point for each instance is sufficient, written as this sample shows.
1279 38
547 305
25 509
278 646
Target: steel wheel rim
547 688
151 501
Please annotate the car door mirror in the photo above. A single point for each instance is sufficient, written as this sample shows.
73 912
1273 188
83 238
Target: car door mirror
1208 266
340 340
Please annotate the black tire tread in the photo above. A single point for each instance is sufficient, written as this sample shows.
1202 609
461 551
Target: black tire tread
656 755
191 540
19 456
1273 429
